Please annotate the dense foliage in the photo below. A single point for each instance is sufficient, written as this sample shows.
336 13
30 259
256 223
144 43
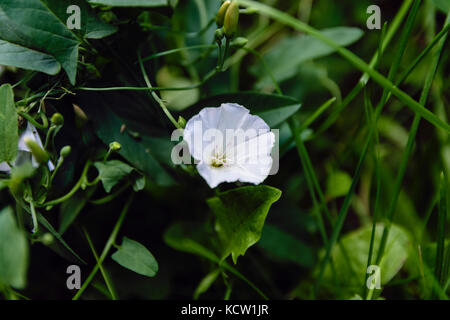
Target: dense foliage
90 96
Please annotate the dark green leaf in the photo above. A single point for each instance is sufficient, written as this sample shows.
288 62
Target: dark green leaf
285 58
142 153
111 172
134 256
285 246
36 31
13 251
9 135
71 208
274 109
443 5
240 215
130 3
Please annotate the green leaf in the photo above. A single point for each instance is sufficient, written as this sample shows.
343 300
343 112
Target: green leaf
443 5
350 266
9 135
134 256
13 251
273 109
338 184
144 153
285 246
36 31
130 3
206 283
111 172
240 215
91 26
286 57
190 238
25 58
71 208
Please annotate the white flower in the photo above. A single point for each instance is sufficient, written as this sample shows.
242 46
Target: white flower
24 153
229 144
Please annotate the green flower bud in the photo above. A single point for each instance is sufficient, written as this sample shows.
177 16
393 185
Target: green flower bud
38 153
115 146
57 119
231 19
65 151
47 239
182 122
239 42
218 35
220 16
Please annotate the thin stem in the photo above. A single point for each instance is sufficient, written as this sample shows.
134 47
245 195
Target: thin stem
109 244
102 270
155 96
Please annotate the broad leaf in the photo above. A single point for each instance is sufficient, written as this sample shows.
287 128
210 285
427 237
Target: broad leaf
131 3
71 208
274 109
285 246
36 31
350 256
13 251
190 238
286 57
338 184
9 135
134 256
143 152
112 172
240 215
443 5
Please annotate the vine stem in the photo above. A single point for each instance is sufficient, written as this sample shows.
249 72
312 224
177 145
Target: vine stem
352 58
155 96
109 244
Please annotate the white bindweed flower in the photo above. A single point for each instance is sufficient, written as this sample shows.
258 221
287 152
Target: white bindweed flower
229 144
24 153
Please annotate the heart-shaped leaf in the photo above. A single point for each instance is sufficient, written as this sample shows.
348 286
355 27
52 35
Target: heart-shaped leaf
111 172
240 215
34 34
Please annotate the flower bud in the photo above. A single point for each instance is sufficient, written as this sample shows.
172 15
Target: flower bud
65 151
57 119
218 35
38 153
115 146
182 122
220 17
231 19
47 239
239 42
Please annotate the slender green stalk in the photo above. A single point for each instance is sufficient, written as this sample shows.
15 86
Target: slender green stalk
102 270
442 220
109 244
352 58
172 51
155 96
409 147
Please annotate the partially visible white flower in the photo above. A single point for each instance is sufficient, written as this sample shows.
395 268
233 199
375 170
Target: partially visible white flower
229 144
24 153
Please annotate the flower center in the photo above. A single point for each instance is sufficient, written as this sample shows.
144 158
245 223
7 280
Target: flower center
218 160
